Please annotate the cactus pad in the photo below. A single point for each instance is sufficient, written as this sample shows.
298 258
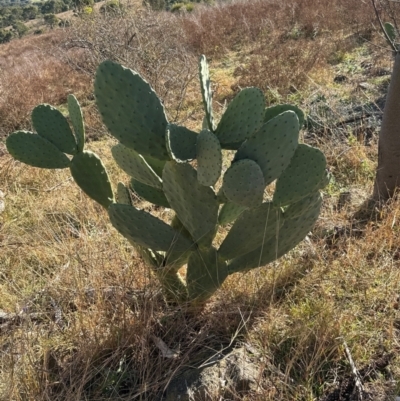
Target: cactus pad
298 208
155 164
253 228
50 124
135 166
273 145
244 183
146 230
123 195
206 92
131 110
291 233
195 205
150 194
229 212
75 114
273 111
181 143
209 158
232 146
35 150
205 274
304 175
91 175
242 118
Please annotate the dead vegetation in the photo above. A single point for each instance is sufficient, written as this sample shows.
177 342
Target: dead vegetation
81 314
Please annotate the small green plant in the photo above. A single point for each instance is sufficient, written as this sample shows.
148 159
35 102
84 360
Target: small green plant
158 156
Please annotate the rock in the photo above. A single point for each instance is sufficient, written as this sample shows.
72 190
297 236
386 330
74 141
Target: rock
233 375
365 85
340 79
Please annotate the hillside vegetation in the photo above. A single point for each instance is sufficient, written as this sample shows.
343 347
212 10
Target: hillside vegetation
81 317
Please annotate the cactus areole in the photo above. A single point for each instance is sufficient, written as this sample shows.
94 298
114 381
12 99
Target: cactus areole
158 157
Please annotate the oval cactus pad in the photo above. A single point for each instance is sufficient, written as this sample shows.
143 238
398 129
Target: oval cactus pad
150 194
181 143
131 110
229 212
91 175
35 150
50 124
209 158
135 165
146 230
273 145
195 205
304 175
244 183
123 195
290 234
253 228
75 114
273 111
242 118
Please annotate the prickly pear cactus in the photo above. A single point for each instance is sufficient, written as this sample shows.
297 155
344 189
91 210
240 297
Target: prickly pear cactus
176 168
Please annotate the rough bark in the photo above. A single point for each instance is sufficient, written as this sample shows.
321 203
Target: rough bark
387 177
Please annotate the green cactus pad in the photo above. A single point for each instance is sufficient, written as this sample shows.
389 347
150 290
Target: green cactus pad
273 111
242 118
298 208
273 145
91 175
177 224
231 146
205 274
181 143
304 175
229 212
131 110
253 228
146 230
50 124
155 164
150 194
123 195
135 165
195 205
291 233
221 197
75 114
244 183
390 31
36 151
209 158
206 92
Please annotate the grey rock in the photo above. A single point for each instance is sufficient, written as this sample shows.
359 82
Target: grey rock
230 377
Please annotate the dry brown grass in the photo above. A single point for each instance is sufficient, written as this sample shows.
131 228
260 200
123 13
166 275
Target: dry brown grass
31 73
99 306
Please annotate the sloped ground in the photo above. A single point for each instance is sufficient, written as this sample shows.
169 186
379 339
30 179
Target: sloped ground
82 317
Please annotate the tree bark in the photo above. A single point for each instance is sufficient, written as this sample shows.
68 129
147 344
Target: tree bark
387 177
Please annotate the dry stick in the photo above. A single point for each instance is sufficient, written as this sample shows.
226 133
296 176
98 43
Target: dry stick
356 373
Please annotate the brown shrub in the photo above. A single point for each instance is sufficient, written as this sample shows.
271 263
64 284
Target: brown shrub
31 73
150 43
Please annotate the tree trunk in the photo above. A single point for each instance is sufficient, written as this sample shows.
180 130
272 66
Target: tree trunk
387 177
